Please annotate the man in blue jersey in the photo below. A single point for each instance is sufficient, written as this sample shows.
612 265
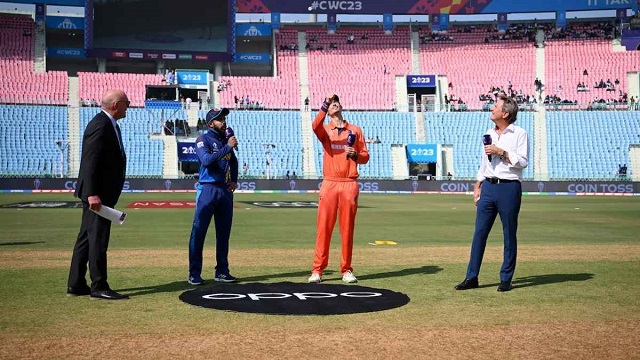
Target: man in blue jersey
218 180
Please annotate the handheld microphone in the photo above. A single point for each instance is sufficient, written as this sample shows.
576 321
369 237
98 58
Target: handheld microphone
351 139
486 139
229 133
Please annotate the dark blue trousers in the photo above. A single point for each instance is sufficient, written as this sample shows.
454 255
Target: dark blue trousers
503 199
211 202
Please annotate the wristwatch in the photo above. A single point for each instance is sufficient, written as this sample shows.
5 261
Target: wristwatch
504 153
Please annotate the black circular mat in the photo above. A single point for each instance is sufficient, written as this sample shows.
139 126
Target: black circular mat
287 298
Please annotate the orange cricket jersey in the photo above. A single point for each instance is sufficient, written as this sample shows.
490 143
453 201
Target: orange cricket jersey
336 165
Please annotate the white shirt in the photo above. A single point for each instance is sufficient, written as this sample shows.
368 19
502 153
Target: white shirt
515 141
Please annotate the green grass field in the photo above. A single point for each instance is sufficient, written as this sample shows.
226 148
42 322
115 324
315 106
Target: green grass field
576 295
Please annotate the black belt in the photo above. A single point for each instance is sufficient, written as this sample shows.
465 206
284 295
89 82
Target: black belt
499 181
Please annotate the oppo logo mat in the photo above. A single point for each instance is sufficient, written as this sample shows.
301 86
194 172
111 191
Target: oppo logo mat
288 298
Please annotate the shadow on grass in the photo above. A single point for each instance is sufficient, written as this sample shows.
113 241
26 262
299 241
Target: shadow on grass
182 285
14 243
536 280
423 270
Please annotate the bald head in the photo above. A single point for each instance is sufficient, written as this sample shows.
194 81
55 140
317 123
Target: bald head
115 102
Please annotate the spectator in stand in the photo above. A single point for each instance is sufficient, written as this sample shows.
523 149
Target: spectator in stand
306 104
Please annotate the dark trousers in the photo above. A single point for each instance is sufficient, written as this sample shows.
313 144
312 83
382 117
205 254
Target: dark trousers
91 246
503 199
216 202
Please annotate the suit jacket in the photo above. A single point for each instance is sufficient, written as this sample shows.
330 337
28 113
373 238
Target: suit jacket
103 164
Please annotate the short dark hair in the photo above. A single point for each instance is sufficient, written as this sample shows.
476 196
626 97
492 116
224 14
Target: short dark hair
509 106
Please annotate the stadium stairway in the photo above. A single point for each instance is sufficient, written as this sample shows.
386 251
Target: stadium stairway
308 163
73 124
303 68
170 158
192 116
634 156
539 145
399 165
539 139
415 52
40 49
421 133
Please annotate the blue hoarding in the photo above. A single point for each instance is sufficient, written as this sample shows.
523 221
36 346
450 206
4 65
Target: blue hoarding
414 81
253 30
66 52
187 151
65 22
192 77
275 20
422 153
252 58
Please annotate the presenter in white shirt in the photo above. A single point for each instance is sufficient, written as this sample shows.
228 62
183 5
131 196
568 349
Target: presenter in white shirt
498 190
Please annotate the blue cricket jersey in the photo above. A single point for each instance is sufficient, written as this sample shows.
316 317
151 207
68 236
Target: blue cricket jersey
218 162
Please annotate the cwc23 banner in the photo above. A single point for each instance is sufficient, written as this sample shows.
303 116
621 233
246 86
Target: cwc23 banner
366 186
451 7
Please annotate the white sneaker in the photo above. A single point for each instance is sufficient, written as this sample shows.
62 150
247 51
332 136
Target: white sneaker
315 278
348 277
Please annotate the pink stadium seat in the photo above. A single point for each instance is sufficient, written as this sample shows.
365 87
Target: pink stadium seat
356 71
566 60
473 67
21 84
93 85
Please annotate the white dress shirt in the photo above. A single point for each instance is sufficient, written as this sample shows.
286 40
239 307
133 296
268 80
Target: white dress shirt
515 141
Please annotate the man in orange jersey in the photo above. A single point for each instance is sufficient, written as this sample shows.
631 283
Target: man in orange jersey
344 148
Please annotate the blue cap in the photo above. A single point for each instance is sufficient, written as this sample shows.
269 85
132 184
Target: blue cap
214 114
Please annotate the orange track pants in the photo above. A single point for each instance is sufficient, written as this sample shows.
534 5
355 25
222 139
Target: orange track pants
336 198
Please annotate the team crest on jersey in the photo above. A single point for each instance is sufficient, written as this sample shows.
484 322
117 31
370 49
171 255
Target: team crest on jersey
200 144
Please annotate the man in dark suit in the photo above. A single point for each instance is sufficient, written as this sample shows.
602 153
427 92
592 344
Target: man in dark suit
102 172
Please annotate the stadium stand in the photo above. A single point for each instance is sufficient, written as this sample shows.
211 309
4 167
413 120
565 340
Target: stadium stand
93 85
28 137
464 131
362 72
473 66
279 92
566 61
257 128
21 85
389 128
589 145
144 154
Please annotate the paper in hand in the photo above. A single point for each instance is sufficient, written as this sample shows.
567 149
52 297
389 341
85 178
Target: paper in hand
111 214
